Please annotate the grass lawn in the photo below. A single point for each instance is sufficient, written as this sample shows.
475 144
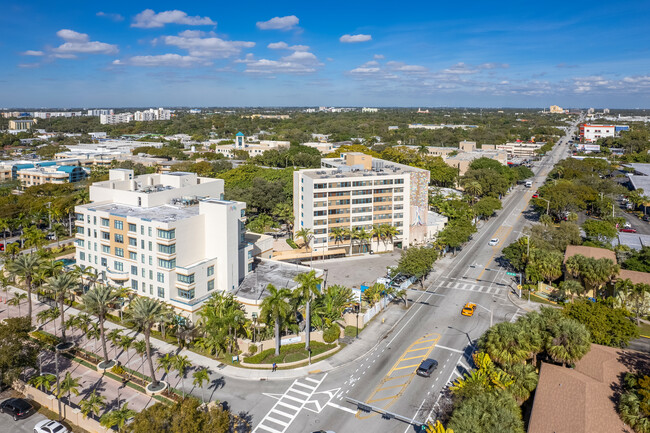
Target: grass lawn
351 331
289 353
535 298
644 329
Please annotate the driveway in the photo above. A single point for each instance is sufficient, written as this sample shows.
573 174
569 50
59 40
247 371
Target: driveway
354 271
26 425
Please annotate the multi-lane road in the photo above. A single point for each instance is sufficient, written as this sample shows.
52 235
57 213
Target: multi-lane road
433 328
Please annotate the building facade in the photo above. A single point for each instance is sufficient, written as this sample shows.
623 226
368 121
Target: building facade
51 174
112 119
21 124
590 133
359 191
170 237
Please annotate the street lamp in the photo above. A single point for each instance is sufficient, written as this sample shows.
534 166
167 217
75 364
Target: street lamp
491 310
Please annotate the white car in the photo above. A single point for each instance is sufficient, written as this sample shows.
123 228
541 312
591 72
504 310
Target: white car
493 242
49 426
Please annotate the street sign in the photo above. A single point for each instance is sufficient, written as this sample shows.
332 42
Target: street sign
519 286
511 273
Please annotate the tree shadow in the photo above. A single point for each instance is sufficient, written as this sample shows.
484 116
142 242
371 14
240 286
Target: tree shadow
244 423
216 384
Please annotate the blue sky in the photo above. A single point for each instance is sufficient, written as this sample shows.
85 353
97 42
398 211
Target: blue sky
372 53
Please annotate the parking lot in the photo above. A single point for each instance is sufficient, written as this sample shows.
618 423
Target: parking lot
354 271
26 425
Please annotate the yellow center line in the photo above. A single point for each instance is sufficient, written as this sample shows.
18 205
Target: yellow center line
391 387
413 357
415 350
386 379
408 366
380 399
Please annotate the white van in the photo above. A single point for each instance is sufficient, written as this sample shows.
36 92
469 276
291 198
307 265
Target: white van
529 184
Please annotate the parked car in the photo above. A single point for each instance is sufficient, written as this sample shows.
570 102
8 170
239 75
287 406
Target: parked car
536 194
17 407
468 309
49 426
427 367
628 230
493 242
646 218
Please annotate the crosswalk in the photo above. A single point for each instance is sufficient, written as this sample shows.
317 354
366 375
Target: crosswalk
289 405
473 287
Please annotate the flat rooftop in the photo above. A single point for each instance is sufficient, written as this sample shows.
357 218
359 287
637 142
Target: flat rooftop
267 272
380 167
164 213
475 154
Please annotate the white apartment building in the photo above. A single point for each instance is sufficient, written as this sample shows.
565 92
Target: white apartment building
171 237
152 114
99 111
252 148
594 132
369 110
357 190
112 119
519 149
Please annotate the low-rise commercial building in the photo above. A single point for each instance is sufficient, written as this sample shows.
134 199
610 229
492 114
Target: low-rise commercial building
590 133
170 237
56 174
252 148
21 124
517 149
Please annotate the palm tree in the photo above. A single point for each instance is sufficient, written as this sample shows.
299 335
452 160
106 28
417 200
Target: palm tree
474 189
338 233
275 309
140 347
92 404
17 300
95 333
389 232
597 272
506 344
118 418
43 382
5 225
638 296
525 381
166 363
181 363
568 341
125 343
68 385
97 302
115 335
306 236
571 288
144 313
26 266
378 232
201 376
309 285
60 287
59 231
49 314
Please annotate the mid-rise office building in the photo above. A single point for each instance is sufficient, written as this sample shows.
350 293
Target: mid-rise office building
591 133
112 119
21 124
171 237
57 174
359 191
152 114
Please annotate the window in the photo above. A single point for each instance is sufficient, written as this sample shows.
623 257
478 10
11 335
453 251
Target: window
149 230
250 254
119 266
106 249
167 249
133 256
134 270
119 252
210 285
167 264
250 267
187 294
118 224
150 246
119 238
106 236
187 279
82 256
133 242
104 222
161 292
150 274
161 277
79 217
141 230
243 213
143 272
80 230
142 244
151 289
104 261
166 234
210 270
134 285
142 258
79 242
133 228
150 261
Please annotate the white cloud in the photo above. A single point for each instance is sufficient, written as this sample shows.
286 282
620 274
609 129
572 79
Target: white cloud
460 69
284 46
403 67
170 60
148 19
80 43
493 66
110 16
32 53
378 57
351 39
279 23
211 46
28 65
298 62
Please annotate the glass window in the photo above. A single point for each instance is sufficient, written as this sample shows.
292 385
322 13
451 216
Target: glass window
187 294
80 230
210 285
250 267
134 270
119 266
79 217
187 279
161 292
167 249
104 222
133 242
142 244
150 274
167 264
104 261
150 246
106 236
150 261
133 228
149 231
134 284
79 242
119 238
141 230
142 258
143 272
82 256
118 225
167 234
210 270
119 252
161 277
106 249
133 256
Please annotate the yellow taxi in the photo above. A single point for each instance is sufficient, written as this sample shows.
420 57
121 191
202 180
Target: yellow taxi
468 309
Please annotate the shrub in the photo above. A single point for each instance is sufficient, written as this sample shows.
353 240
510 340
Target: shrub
45 338
118 369
252 349
332 333
292 244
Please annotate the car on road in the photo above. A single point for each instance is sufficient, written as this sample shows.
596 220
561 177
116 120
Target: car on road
49 426
646 218
627 225
468 309
628 230
427 367
16 407
493 242
536 194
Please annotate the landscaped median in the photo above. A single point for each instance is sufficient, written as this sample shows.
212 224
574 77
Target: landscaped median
291 355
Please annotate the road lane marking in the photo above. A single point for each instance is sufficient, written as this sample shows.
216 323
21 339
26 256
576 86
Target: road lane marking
408 366
449 348
346 409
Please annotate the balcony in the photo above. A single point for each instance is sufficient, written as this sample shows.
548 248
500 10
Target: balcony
117 276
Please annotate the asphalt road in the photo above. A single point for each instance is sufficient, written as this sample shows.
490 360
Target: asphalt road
433 328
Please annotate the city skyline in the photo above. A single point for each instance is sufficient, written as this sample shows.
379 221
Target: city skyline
574 55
